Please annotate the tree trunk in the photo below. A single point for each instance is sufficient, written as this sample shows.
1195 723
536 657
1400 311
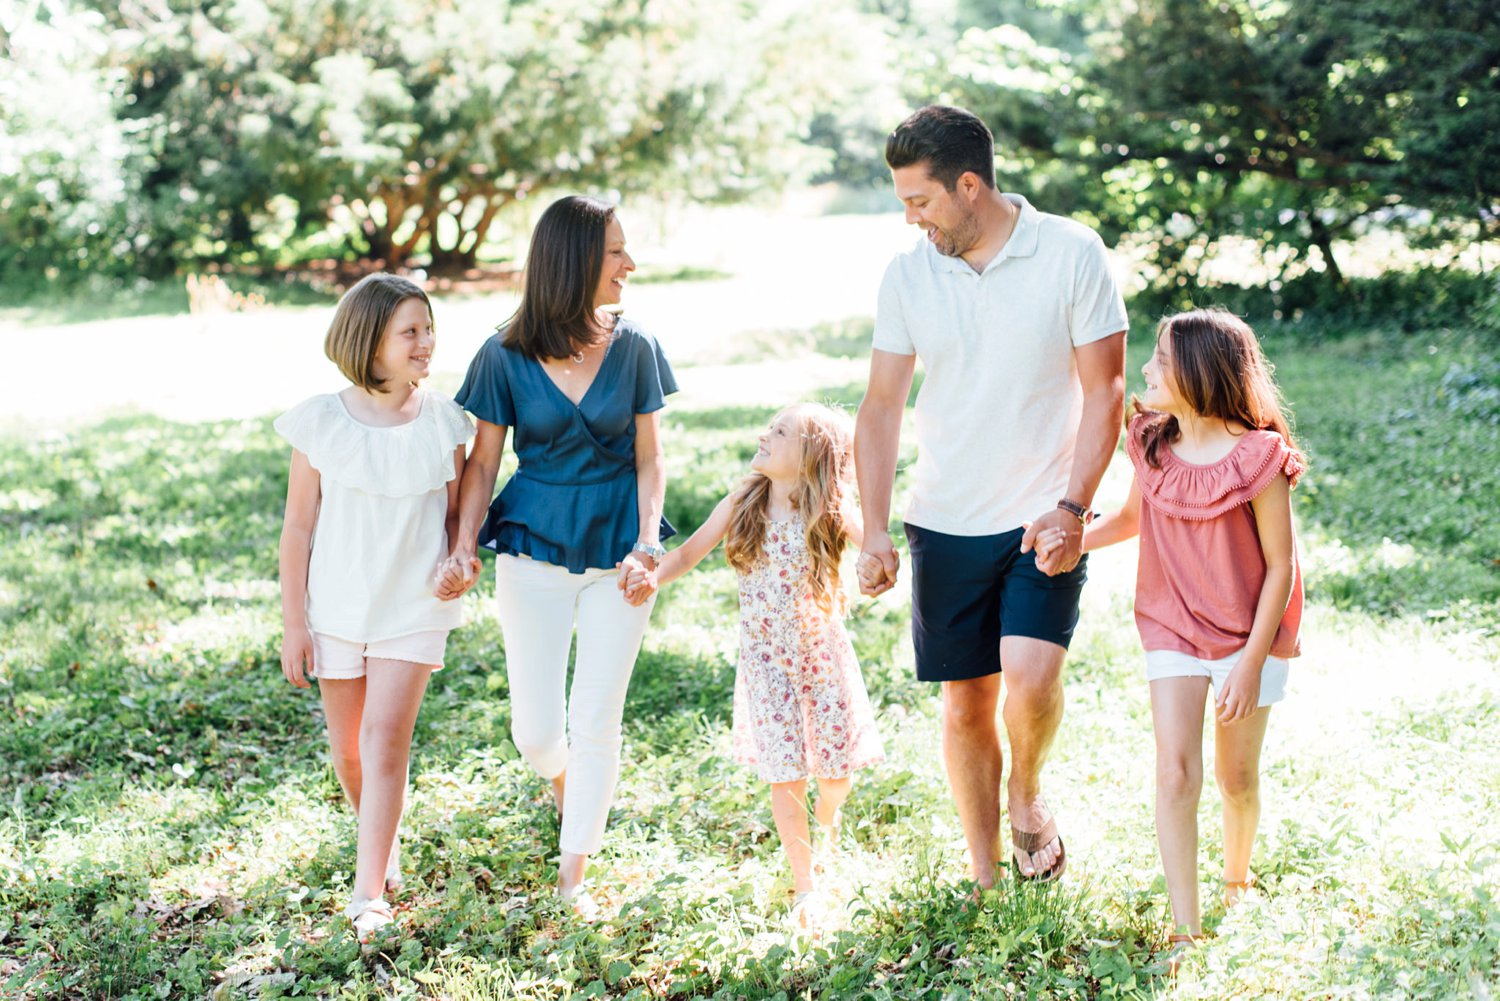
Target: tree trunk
1323 240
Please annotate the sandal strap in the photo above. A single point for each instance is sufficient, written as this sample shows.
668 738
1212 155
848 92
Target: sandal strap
1239 884
1034 841
375 905
1185 939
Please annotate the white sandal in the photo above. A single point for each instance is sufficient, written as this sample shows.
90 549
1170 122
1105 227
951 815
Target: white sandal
581 901
369 917
393 877
807 912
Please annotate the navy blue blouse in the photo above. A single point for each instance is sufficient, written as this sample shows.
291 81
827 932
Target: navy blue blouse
572 501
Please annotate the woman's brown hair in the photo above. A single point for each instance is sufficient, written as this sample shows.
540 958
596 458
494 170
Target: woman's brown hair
359 324
1221 373
823 495
556 316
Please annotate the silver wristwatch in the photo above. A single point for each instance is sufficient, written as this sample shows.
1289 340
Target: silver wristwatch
655 552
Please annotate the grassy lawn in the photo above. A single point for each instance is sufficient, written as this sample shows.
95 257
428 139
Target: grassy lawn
169 826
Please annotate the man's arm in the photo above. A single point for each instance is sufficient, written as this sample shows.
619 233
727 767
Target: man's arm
1101 370
877 437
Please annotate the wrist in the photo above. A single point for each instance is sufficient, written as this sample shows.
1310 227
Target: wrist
1079 510
652 549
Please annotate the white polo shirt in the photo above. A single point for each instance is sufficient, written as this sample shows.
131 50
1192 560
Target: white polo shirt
997 415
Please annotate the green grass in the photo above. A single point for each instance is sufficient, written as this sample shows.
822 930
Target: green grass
169 826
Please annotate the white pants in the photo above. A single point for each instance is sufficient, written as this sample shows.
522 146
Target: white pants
576 731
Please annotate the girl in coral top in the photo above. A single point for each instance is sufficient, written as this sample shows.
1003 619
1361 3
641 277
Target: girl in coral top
1218 593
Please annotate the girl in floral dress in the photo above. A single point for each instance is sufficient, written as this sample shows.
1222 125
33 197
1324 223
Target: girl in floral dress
800 706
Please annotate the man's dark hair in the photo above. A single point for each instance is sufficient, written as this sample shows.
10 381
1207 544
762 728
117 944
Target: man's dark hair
948 140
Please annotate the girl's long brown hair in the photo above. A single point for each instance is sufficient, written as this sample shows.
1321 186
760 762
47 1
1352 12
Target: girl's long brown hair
825 486
1220 372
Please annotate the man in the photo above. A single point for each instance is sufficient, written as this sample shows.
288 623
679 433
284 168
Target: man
1021 332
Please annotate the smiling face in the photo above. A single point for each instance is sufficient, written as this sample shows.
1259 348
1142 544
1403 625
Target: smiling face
1161 386
617 266
405 351
945 216
779 457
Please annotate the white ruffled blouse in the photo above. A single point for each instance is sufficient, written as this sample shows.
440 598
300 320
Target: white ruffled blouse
380 532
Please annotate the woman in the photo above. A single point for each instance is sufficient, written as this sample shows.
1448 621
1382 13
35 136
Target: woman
582 388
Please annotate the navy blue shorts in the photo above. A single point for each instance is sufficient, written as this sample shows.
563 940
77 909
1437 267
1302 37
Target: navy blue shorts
967 591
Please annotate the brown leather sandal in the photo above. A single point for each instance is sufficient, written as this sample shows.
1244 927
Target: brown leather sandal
1238 887
1032 842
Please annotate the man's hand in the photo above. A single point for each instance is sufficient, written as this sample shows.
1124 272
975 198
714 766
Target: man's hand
878 564
1066 556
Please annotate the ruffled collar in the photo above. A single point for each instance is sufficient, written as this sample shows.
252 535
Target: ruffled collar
1199 492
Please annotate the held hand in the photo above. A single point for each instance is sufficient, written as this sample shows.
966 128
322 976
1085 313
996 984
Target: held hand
637 578
878 564
455 575
297 656
1240 696
1060 558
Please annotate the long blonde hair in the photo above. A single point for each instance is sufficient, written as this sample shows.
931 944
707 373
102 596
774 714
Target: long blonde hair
825 485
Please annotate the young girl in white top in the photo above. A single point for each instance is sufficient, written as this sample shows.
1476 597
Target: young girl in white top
371 501
1218 592
800 706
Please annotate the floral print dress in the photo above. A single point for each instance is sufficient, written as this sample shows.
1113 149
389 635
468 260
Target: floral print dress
800 705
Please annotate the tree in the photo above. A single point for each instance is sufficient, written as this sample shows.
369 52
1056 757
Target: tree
413 125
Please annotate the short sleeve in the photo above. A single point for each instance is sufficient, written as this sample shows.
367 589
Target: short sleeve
890 317
1097 309
485 392
654 380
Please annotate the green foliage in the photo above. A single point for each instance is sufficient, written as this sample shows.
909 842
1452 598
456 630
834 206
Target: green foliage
1182 122
252 132
171 828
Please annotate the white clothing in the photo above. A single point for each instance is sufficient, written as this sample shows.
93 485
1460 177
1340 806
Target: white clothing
997 415
343 660
1176 664
381 530
537 604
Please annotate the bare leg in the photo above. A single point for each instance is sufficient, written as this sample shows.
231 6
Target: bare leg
1033 711
559 786
393 695
343 706
1237 766
789 808
831 796
971 753
1177 715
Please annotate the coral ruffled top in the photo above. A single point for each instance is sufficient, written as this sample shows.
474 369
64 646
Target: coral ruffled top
1201 566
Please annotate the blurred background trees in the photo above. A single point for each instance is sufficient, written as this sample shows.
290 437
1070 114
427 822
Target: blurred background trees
147 137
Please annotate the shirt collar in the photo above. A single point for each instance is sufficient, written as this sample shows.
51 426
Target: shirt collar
1022 242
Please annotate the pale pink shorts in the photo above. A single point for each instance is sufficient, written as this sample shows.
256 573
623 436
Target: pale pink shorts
1175 664
343 660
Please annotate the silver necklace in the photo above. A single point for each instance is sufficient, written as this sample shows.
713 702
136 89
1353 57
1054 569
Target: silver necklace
577 357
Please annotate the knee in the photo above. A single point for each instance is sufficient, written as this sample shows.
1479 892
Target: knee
345 758
968 715
547 754
383 748
1033 697
1239 786
1179 779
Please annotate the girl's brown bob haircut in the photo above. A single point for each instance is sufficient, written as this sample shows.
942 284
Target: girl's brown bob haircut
359 324
563 266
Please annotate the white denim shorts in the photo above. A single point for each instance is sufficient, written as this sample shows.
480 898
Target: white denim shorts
343 660
1176 664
